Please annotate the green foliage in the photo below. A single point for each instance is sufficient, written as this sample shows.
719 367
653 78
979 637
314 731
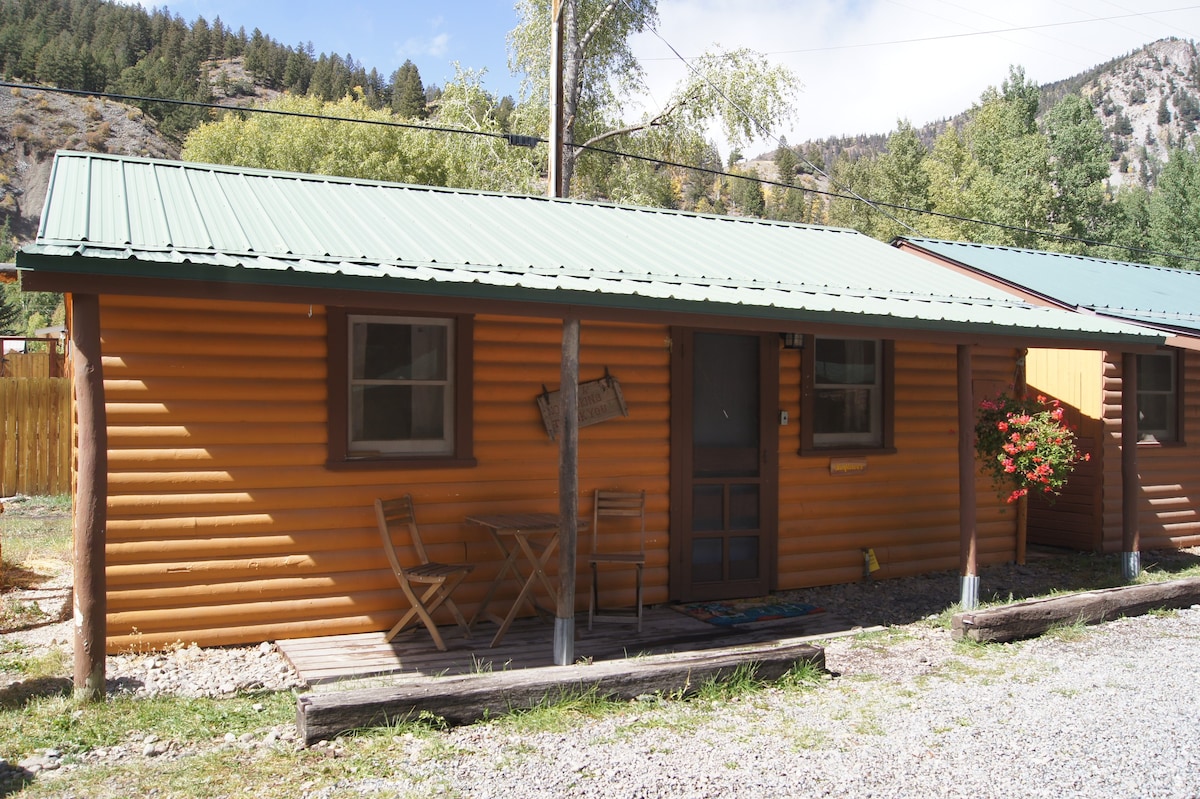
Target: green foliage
900 179
1174 209
737 89
408 93
1025 445
786 163
1078 169
747 194
373 151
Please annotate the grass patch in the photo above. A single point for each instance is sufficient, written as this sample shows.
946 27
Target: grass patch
35 538
16 658
556 713
1067 631
59 722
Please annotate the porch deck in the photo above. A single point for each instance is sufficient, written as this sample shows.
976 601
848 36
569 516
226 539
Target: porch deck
411 656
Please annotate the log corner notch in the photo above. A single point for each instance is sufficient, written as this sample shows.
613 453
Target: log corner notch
1034 617
472 697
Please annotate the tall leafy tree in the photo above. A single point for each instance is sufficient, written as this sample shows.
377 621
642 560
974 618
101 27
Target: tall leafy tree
1175 209
901 180
737 90
1078 171
1003 138
373 151
854 179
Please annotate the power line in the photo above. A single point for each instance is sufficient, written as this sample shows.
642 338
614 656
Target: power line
530 141
993 32
277 112
762 127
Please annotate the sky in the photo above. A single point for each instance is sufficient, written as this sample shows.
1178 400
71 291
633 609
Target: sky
864 64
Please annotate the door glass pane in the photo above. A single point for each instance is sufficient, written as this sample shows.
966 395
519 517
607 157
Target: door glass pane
707 557
743 557
743 507
725 391
708 508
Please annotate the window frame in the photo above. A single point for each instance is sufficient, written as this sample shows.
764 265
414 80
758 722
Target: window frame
810 443
1174 393
460 373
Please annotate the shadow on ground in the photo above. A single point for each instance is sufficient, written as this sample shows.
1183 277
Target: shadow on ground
1046 571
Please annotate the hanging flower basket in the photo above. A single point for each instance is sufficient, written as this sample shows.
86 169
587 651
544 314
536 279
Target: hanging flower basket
1026 446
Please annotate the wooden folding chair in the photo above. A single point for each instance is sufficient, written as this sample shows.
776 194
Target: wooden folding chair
617 504
442 578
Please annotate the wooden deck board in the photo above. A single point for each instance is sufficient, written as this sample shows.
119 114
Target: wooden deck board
529 644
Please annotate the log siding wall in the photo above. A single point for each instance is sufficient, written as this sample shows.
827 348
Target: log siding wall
1170 474
225 526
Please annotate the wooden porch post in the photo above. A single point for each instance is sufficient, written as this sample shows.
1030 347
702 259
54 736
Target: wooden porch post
1131 565
968 539
91 495
568 494
1021 391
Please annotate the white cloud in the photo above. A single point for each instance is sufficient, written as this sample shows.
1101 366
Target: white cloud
867 63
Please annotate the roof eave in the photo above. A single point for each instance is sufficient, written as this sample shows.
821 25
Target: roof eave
80 272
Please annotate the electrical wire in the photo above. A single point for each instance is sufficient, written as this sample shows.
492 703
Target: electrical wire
767 132
528 141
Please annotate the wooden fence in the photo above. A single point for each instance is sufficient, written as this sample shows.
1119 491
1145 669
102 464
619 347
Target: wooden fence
32 364
35 436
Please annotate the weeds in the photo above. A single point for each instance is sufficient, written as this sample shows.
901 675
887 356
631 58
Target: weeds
59 722
1067 631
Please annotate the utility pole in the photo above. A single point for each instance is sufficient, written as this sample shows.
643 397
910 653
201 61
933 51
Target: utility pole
568 439
554 187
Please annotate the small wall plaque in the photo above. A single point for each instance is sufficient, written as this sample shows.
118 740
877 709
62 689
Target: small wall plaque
599 401
847 466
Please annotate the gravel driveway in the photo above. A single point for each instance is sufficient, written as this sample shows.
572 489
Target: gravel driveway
1106 711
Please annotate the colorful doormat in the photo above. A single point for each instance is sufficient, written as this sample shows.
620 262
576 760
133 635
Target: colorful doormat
743 611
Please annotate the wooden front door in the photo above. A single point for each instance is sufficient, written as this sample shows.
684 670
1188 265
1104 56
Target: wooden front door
724 464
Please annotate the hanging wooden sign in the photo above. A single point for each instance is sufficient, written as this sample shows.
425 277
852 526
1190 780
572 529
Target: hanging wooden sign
599 400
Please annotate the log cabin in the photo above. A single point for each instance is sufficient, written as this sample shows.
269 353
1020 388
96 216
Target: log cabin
259 355
1090 515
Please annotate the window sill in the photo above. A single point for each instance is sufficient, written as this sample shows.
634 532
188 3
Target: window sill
366 464
1163 444
837 452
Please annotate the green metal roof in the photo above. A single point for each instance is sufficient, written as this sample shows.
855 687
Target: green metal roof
120 216
1166 299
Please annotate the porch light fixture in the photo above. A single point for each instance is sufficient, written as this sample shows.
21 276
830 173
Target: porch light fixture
792 341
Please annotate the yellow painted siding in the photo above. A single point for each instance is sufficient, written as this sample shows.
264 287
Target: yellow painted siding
225 526
1071 376
1075 378
1169 474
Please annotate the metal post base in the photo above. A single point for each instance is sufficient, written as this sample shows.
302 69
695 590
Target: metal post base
564 641
1131 565
969 597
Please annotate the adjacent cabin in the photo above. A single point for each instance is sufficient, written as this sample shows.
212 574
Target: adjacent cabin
1088 516
264 354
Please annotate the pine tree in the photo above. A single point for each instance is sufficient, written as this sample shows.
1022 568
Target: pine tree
408 94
